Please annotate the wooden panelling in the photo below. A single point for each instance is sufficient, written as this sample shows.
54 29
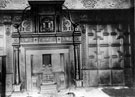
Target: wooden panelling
109 56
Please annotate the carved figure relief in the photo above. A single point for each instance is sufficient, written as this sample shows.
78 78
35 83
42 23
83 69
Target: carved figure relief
66 25
46 24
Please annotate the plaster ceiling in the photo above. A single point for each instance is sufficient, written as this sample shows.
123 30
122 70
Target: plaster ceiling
71 4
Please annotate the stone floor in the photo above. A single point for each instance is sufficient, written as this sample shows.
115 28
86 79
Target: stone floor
83 92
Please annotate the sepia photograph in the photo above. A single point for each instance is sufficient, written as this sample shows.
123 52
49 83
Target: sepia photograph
67 48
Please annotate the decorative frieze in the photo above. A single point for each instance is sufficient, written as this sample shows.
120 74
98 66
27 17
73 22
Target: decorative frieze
67 39
70 39
47 39
27 40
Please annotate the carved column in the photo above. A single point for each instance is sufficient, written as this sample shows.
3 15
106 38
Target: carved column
16 60
16 65
77 62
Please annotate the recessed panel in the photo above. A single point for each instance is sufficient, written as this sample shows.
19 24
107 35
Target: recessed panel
105 77
93 78
117 77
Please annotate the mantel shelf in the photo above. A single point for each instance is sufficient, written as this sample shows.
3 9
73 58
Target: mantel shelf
51 34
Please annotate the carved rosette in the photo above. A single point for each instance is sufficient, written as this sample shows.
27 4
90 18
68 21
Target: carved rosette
15 40
77 39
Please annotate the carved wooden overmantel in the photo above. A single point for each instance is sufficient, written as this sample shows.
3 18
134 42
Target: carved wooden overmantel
45 30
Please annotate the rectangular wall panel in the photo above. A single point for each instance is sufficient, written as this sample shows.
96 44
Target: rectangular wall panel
117 77
104 77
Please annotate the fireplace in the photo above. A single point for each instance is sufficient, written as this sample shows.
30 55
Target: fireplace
47 70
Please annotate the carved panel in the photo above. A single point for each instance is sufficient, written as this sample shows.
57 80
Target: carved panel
66 25
1 19
26 26
7 19
47 24
66 39
8 30
17 19
25 40
47 39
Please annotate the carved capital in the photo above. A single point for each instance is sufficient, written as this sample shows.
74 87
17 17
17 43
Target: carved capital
83 28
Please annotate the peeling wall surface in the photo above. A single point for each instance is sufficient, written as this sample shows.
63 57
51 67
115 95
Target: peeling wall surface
71 4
